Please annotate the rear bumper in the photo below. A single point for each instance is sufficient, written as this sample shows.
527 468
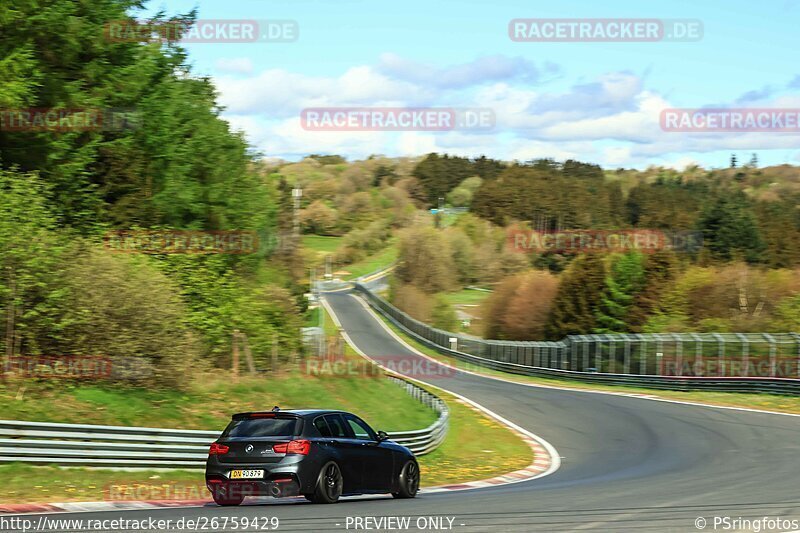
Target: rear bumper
277 488
292 476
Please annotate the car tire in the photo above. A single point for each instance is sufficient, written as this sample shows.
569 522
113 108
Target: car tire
222 498
408 481
329 484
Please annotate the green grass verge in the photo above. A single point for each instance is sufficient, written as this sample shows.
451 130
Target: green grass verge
466 297
209 402
321 243
476 447
23 483
769 402
311 318
384 258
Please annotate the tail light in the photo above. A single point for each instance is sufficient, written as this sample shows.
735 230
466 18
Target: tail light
218 449
296 447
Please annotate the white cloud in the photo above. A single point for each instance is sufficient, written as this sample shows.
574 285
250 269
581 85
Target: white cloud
483 70
612 120
236 65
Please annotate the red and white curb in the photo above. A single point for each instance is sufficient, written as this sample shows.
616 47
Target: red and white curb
89 507
542 462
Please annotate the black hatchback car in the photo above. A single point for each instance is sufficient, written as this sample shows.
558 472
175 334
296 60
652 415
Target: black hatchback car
321 454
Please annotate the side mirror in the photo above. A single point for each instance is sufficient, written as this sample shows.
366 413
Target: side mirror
382 436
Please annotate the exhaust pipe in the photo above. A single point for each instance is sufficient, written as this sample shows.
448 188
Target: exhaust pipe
275 491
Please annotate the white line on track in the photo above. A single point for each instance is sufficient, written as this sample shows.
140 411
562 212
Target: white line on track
555 458
571 389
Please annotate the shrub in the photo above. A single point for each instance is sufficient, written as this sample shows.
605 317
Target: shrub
520 305
425 260
121 307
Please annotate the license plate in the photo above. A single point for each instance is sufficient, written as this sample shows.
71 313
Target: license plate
247 474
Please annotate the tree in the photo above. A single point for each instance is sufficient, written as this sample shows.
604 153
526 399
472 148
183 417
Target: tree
384 175
176 164
625 279
30 258
424 260
124 308
462 195
319 218
519 306
417 303
443 316
729 228
550 196
578 298
462 255
659 271
149 172
438 175
733 161
779 225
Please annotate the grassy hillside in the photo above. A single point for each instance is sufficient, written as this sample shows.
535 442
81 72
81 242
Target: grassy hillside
211 399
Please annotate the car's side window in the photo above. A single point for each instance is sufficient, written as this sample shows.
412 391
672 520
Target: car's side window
360 428
322 426
336 425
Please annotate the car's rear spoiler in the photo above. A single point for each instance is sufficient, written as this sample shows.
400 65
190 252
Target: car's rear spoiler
265 414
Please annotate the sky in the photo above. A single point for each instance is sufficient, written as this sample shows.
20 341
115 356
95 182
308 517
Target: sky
598 102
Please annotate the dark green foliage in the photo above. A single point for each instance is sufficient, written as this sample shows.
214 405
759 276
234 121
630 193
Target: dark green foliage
178 165
668 203
625 279
329 159
438 175
779 226
550 197
659 272
384 176
443 316
730 230
578 299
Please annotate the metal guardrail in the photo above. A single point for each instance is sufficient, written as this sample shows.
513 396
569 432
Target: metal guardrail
141 447
426 440
379 270
689 361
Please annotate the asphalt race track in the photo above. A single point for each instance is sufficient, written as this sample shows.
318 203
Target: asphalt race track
628 463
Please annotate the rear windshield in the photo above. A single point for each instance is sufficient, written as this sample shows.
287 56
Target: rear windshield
263 427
